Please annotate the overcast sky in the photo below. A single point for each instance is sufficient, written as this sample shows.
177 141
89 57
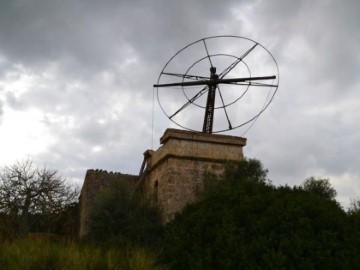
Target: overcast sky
76 82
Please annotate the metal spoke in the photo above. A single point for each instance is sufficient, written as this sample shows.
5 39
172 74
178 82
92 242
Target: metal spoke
187 76
207 52
234 64
252 84
199 94
215 81
223 103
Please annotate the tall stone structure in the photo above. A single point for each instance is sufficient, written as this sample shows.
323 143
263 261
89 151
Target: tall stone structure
174 173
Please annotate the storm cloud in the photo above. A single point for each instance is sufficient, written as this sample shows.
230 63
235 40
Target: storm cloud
76 82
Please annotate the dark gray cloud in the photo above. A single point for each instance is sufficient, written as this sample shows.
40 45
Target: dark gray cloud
87 68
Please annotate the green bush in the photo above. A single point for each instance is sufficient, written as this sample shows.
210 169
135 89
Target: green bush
122 217
243 222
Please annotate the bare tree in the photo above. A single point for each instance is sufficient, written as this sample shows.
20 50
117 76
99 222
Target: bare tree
26 190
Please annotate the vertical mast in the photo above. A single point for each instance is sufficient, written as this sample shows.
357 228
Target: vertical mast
210 103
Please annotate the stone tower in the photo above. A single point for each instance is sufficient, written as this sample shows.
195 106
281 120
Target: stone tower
174 173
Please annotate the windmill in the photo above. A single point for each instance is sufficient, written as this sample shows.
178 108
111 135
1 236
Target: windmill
230 60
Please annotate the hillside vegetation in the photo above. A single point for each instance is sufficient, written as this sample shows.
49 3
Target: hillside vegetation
241 221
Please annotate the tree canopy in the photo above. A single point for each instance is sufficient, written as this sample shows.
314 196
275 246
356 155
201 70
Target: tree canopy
29 193
320 187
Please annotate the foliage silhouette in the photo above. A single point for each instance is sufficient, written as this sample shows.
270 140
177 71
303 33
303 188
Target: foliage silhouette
320 187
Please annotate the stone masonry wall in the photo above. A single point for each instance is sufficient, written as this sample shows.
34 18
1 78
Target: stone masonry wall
95 182
175 171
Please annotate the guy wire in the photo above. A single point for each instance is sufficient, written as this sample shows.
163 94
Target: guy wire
152 120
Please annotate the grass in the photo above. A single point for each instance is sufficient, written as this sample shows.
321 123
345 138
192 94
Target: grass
27 254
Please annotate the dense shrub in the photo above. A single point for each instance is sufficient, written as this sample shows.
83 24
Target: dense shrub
243 222
122 216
